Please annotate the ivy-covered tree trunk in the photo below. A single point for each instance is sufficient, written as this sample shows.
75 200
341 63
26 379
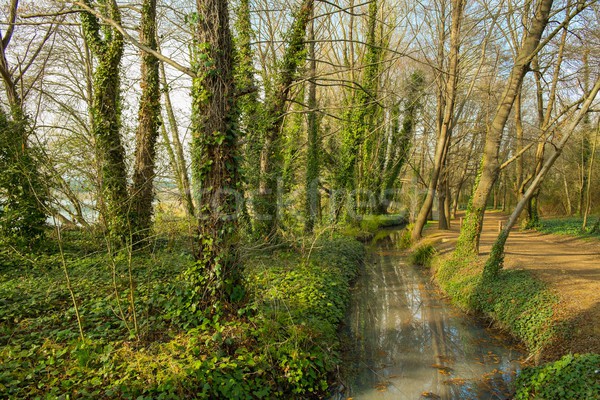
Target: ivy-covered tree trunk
313 202
586 147
354 161
468 241
266 206
23 196
142 193
368 116
214 151
401 137
106 44
248 104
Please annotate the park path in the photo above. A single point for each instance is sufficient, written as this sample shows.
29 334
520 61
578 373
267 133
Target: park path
569 265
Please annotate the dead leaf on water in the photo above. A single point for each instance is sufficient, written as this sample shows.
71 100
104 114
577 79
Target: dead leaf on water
454 381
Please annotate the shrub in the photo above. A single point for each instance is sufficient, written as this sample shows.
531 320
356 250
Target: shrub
422 254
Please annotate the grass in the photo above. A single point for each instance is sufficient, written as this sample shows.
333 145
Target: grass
422 254
280 342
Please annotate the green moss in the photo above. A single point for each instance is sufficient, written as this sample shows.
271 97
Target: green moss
572 377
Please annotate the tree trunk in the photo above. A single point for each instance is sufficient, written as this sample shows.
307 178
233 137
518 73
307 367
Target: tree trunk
445 132
179 164
442 192
313 202
23 195
142 193
468 241
214 152
585 145
270 157
588 189
106 116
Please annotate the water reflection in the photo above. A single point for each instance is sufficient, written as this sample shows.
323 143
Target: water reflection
411 344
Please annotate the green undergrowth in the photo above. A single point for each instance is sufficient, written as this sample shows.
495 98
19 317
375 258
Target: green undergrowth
422 254
570 226
572 377
514 299
280 342
369 224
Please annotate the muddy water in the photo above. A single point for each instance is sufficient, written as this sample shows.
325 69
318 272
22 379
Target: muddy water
411 344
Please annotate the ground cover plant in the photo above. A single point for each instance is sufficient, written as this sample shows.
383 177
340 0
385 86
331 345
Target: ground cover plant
143 337
568 226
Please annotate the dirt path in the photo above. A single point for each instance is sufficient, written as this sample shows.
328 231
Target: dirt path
570 266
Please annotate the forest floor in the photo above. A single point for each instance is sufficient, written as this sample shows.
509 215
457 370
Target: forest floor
570 266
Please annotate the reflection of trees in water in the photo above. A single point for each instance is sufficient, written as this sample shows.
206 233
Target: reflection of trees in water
408 341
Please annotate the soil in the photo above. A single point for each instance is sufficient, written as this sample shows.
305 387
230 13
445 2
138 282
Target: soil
570 266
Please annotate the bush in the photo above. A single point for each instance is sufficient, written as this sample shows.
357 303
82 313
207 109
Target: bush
422 255
572 377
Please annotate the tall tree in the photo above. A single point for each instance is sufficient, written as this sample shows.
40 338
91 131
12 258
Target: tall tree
142 193
106 44
490 165
445 116
266 206
545 114
313 203
401 136
214 150
358 138
174 145
22 195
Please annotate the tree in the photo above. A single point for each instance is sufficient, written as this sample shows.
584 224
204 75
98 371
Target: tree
147 132
446 115
23 198
275 106
313 203
468 242
106 44
214 150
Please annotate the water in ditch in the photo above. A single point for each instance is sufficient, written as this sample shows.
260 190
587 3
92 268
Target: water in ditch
407 342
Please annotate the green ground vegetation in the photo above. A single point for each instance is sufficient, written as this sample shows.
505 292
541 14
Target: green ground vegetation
569 226
143 336
526 308
572 377
514 299
422 254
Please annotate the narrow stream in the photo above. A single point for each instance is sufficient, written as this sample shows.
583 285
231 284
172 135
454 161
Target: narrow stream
410 343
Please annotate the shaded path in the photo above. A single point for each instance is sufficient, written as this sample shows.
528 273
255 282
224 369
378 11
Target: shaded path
570 266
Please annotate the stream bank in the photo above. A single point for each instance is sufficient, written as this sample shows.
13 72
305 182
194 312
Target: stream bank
408 342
